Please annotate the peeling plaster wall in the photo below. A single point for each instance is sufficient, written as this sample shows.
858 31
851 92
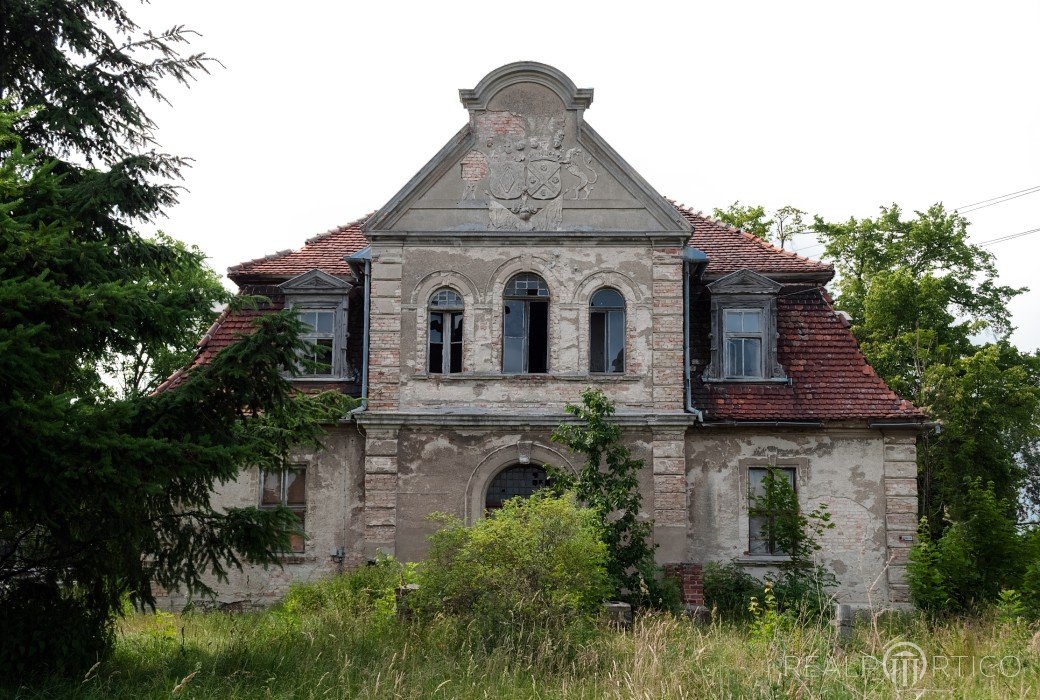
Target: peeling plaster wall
449 471
335 502
479 274
846 469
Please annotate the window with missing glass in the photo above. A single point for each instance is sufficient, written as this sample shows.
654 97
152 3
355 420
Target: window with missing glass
525 325
321 301
607 332
521 481
287 488
445 332
743 337
320 330
762 515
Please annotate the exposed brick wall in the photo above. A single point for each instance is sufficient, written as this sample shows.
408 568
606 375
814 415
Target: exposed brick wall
691 581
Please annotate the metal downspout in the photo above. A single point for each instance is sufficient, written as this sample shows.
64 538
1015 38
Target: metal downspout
689 260
364 340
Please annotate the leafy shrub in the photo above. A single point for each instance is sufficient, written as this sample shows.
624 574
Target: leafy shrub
536 561
367 588
48 628
729 589
609 484
802 585
978 555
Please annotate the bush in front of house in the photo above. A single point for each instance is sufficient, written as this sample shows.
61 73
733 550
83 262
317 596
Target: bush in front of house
539 561
367 589
979 554
729 588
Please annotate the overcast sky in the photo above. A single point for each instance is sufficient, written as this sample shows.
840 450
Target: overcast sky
325 109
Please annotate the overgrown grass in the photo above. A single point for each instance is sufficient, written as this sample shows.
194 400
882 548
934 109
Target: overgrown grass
341 639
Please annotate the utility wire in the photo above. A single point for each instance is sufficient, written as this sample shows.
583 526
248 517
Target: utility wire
1006 198
1028 190
1012 236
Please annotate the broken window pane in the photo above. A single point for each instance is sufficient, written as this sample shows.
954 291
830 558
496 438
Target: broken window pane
519 481
295 487
598 342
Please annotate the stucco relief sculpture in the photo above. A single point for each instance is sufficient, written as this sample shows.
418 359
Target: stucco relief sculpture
524 172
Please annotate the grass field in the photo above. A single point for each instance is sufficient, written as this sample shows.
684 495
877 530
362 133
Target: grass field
333 651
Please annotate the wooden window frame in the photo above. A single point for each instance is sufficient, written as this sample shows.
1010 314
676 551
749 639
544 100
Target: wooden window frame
298 543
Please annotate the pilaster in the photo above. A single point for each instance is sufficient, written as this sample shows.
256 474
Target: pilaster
900 468
671 512
384 333
667 329
381 481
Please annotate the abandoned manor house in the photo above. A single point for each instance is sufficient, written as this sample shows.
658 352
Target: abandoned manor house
524 263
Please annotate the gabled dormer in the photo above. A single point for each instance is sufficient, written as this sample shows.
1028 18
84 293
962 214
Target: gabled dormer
744 329
321 302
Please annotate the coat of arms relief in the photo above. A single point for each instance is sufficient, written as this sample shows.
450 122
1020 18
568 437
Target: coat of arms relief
520 169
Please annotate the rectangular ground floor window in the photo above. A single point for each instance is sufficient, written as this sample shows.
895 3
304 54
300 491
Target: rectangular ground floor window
289 489
761 540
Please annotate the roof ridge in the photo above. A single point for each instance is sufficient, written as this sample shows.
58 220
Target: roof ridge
687 211
355 225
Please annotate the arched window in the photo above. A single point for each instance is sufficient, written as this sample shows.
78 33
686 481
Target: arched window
525 325
519 480
607 331
445 349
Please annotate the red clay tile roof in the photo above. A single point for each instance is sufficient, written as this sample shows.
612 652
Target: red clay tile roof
729 249
228 327
830 378
324 251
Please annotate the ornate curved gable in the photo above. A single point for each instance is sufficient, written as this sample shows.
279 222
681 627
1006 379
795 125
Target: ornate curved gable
527 161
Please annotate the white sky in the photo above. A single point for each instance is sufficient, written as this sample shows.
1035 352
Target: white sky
326 109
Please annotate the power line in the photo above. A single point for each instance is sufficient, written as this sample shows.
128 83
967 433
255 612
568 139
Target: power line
1027 190
1012 236
992 241
1005 198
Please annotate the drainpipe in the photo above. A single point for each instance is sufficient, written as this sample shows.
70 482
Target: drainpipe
694 261
364 258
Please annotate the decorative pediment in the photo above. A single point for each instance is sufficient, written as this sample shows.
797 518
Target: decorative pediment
744 282
526 162
315 281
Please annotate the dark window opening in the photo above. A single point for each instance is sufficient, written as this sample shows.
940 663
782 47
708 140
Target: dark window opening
525 326
445 347
607 332
519 481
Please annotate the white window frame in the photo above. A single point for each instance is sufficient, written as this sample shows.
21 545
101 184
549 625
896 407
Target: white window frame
759 335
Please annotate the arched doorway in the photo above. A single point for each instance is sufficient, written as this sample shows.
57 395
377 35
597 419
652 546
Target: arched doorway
518 480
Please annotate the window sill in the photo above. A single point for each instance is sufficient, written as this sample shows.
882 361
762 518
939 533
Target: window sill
762 559
296 558
548 376
750 380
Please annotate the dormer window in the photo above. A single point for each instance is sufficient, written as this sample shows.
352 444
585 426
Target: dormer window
743 329
319 329
320 301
